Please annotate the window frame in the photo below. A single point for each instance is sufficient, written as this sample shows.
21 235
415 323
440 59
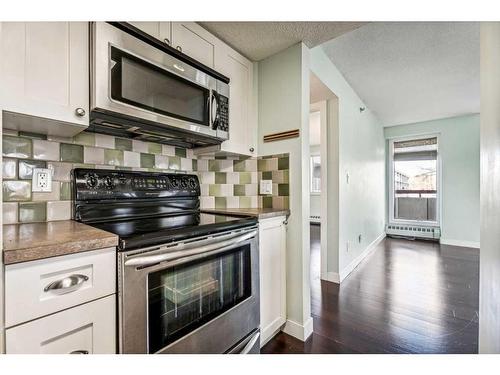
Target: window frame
311 165
439 185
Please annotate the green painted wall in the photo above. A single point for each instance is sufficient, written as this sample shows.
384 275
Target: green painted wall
459 152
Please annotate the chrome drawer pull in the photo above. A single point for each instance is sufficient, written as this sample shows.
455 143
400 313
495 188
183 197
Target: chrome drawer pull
67 284
79 352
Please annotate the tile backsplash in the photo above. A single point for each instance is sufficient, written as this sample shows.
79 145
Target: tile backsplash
226 181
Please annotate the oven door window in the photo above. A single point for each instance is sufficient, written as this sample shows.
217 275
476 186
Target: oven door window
147 86
186 296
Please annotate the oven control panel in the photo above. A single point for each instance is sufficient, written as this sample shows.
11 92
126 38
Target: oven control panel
111 184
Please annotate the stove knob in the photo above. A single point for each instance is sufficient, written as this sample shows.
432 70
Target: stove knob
92 181
109 182
184 183
192 183
176 183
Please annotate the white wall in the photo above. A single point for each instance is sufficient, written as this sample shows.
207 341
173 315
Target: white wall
361 155
284 105
489 262
459 154
315 198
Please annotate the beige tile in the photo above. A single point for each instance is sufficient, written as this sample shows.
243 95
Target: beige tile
16 191
60 171
232 177
190 154
207 202
186 164
60 210
103 140
131 159
233 202
139 146
204 189
9 168
254 177
161 162
251 165
226 165
54 195
9 212
202 165
251 189
207 177
45 150
93 155
168 150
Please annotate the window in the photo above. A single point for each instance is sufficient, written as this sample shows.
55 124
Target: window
315 174
414 187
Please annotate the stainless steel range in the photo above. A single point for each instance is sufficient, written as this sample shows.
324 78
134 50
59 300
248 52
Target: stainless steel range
188 282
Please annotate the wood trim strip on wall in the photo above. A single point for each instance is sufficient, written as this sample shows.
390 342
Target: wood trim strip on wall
282 135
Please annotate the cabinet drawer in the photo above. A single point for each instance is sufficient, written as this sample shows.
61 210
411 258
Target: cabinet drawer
88 328
42 287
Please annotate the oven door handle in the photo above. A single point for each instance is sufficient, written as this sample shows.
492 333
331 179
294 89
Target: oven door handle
209 249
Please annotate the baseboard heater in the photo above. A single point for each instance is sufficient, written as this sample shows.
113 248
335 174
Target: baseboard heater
315 219
413 231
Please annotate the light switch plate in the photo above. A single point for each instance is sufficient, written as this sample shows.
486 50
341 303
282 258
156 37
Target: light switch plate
42 180
266 186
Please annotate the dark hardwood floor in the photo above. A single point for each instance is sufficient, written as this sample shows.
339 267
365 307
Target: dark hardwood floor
406 297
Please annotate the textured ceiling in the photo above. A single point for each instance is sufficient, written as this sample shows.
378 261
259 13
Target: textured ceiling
258 40
411 72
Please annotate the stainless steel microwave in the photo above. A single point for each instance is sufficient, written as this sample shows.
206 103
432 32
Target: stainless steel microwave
144 89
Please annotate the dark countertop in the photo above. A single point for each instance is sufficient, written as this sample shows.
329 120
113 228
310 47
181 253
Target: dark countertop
33 241
259 213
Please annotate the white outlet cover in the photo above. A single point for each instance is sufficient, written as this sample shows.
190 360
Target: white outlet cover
42 180
266 186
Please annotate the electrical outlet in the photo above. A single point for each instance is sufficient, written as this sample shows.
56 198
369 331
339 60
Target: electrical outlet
266 186
42 180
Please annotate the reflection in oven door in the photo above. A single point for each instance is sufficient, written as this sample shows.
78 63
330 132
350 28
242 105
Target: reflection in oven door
184 297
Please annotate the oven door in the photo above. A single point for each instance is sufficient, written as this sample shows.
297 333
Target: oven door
200 296
133 79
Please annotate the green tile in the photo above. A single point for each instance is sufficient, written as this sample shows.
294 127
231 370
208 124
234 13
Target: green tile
213 166
155 148
32 212
245 202
85 138
26 168
16 147
267 202
261 165
239 190
123 144
220 202
65 192
286 176
16 191
9 168
71 153
174 162
239 165
220 177
220 157
195 165
33 135
214 190
267 175
245 178
283 190
113 157
284 163
147 160
180 152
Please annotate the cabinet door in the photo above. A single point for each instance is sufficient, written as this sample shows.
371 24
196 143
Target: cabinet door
85 329
45 69
194 41
272 253
151 28
242 122
166 32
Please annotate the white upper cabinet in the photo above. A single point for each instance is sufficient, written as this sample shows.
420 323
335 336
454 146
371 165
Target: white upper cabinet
193 40
45 70
159 30
242 103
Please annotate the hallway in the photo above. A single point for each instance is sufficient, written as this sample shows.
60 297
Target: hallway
406 297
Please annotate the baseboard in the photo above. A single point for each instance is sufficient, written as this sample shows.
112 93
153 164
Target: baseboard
473 244
299 331
332 277
267 333
347 270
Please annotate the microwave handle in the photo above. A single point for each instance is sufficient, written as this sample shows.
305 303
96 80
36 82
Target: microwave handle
214 109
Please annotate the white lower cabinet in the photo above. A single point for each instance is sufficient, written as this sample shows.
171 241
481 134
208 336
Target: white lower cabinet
272 253
84 329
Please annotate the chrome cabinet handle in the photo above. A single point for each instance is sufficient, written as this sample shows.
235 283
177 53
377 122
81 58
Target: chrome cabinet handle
178 48
251 149
285 222
167 41
67 284
79 352
80 112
